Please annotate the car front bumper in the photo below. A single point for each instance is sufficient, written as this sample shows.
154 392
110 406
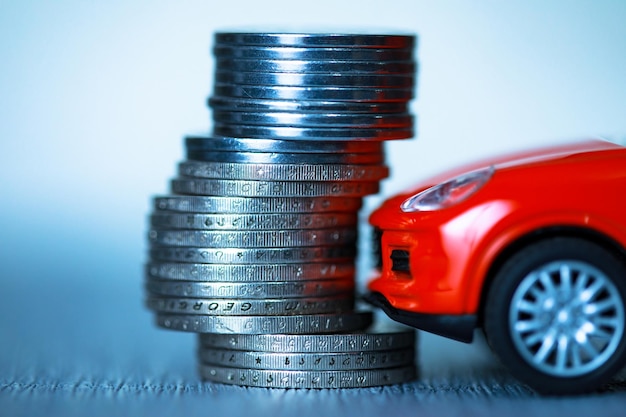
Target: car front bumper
421 271
457 327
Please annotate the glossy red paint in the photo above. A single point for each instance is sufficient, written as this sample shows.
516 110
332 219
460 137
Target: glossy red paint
580 185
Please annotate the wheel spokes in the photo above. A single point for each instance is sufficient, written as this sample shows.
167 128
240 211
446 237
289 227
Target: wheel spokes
565 284
566 318
548 344
562 352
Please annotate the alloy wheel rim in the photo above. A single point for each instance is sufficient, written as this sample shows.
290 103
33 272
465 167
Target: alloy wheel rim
566 318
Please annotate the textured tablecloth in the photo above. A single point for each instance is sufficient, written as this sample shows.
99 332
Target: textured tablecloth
77 340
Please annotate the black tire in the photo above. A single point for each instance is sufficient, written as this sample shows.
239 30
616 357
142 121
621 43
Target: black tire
554 315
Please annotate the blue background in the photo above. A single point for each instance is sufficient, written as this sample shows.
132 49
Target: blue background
95 98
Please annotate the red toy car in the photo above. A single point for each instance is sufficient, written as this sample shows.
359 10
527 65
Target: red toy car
530 247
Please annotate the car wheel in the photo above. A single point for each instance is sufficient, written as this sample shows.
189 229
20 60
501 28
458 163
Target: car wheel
555 315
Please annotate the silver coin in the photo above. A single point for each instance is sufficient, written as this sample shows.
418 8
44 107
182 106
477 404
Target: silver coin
257 290
251 205
226 144
251 307
253 256
311 80
238 104
377 338
307 361
291 119
267 221
366 40
316 67
308 379
249 188
221 51
319 66
283 172
287 158
252 239
312 133
296 324
251 273
281 92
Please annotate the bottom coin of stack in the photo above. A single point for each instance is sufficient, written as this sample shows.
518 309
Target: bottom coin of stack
374 357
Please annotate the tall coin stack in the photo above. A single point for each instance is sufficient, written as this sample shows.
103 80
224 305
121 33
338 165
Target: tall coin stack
255 248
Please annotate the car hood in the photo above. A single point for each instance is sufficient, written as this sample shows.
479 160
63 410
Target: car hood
518 159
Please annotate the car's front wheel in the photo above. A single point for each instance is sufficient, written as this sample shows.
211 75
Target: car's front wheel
555 315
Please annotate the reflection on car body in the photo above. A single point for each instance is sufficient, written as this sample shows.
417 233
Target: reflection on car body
530 247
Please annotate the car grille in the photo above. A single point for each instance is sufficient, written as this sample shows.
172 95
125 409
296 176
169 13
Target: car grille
377 236
400 260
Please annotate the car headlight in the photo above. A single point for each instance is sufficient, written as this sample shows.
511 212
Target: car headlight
448 193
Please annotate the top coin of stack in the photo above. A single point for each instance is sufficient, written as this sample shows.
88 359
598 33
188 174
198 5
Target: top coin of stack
313 86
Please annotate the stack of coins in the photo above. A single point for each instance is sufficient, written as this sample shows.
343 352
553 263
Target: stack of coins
377 357
259 235
313 86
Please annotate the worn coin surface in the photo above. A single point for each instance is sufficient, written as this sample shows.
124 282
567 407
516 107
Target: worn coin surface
233 144
308 379
250 273
324 120
307 361
252 307
311 80
313 54
250 188
291 324
283 172
247 103
249 222
376 338
356 41
252 239
312 133
254 205
256 290
316 66
253 256
286 158
282 92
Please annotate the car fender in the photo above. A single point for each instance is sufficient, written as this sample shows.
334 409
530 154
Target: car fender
512 226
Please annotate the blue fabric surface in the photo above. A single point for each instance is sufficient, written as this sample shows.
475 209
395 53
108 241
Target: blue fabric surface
75 343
